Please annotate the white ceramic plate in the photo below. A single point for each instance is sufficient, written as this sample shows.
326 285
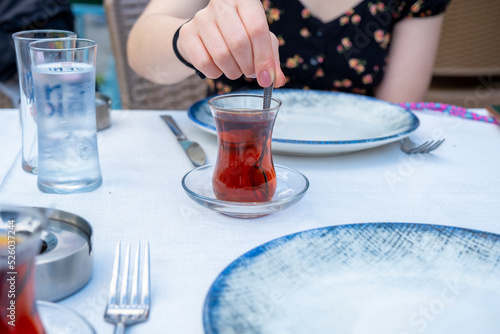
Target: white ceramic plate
325 123
58 319
387 278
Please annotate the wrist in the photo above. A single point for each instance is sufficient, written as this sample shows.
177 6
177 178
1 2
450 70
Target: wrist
175 40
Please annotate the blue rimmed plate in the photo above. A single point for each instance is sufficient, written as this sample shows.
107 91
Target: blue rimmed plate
391 278
325 123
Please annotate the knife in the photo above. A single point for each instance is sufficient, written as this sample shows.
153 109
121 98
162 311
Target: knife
193 150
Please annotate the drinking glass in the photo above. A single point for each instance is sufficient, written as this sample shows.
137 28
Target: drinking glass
20 242
64 84
244 169
27 110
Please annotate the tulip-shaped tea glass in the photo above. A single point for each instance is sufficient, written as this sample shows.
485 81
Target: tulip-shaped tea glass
244 169
20 242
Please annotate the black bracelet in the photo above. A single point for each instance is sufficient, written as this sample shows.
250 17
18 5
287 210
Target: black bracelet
178 55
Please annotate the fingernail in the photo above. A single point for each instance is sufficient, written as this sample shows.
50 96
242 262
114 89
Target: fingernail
265 79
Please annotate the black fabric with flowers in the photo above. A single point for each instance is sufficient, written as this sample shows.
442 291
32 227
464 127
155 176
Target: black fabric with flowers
347 54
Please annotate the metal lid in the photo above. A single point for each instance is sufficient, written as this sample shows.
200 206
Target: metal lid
64 264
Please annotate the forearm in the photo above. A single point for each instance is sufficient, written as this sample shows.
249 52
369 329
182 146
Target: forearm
411 60
150 52
229 37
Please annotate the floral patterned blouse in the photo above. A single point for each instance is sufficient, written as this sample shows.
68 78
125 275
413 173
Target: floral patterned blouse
347 54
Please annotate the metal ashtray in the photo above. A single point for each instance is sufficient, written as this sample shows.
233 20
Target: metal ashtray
64 264
102 111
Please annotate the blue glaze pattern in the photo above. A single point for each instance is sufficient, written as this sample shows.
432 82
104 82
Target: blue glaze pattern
390 278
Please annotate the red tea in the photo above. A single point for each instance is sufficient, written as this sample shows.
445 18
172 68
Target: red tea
244 171
18 314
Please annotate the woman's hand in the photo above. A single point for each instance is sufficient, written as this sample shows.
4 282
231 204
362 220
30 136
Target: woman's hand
232 37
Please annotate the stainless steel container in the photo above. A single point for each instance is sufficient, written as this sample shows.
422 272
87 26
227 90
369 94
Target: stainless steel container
64 264
102 111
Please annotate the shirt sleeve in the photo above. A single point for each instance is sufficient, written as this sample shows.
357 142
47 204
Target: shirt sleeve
419 8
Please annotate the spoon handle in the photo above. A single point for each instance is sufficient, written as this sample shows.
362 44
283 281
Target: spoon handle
268 91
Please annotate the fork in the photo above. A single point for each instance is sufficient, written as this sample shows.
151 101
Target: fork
126 304
410 147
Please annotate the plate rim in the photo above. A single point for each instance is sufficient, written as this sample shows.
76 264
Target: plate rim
207 324
43 304
414 124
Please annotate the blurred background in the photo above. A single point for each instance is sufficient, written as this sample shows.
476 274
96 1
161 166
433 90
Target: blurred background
91 22
466 73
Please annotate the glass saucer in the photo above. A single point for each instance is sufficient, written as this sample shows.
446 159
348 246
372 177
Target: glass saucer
291 187
58 319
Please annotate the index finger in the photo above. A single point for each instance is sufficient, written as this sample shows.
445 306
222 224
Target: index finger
254 19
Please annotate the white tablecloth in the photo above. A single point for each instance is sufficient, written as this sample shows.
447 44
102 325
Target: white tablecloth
142 199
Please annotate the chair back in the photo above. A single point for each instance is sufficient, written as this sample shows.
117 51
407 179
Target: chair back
470 41
467 67
135 91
